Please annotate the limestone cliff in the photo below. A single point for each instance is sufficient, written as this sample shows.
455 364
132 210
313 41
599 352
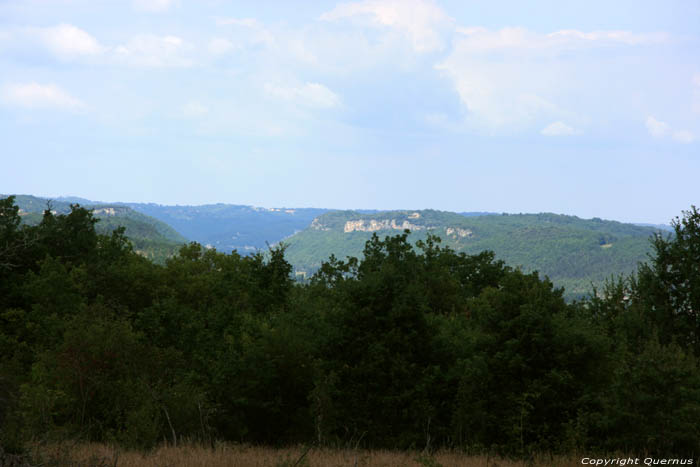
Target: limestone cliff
374 225
455 232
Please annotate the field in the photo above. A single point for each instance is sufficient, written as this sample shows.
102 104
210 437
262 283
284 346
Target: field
233 455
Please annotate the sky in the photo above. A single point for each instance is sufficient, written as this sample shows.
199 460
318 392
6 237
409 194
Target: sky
588 108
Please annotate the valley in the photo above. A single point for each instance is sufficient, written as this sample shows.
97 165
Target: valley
576 254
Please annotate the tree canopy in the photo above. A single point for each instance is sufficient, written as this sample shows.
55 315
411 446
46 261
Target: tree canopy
406 347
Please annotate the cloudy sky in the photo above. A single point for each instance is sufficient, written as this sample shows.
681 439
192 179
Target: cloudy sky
589 108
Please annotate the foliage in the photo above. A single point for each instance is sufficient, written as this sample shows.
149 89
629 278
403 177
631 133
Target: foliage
572 252
670 283
416 345
150 238
229 227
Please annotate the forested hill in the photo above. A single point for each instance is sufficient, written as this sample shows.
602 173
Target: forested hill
573 252
229 227
403 348
150 237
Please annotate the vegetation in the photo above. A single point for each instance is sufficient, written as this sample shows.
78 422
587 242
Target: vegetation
229 227
420 348
237 455
150 237
574 253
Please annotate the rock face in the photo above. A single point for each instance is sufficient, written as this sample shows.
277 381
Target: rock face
316 225
105 211
383 224
457 232
288 211
402 221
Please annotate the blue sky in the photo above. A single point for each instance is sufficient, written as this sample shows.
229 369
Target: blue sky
588 108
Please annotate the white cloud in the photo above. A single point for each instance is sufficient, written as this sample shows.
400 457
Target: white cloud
500 94
155 51
518 39
656 128
660 130
310 94
422 21
154 6
67 41
515 77
559 129
40 96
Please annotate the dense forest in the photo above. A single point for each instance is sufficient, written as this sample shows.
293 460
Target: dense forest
150 237
410 347
574 253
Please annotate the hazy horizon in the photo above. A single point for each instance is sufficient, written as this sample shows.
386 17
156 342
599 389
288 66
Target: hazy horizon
66 198
584 108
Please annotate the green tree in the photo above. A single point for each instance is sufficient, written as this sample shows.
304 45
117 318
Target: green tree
524 382
669 286
652 404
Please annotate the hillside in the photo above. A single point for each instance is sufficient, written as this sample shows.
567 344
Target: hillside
229 227
573 252
150 237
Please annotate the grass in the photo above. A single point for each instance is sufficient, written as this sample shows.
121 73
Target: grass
233 455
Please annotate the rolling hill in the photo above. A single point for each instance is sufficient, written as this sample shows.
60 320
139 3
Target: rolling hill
573 252
150 237
229 227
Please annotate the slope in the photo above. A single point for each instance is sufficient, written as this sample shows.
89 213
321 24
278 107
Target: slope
573 252
229 227
150 237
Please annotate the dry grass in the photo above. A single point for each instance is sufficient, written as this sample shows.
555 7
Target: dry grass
231 455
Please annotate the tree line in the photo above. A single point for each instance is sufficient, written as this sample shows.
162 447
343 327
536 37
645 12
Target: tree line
409 347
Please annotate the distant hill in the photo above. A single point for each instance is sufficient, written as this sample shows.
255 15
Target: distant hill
228 227
150 237
478 213
573 252
665 227
77 200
